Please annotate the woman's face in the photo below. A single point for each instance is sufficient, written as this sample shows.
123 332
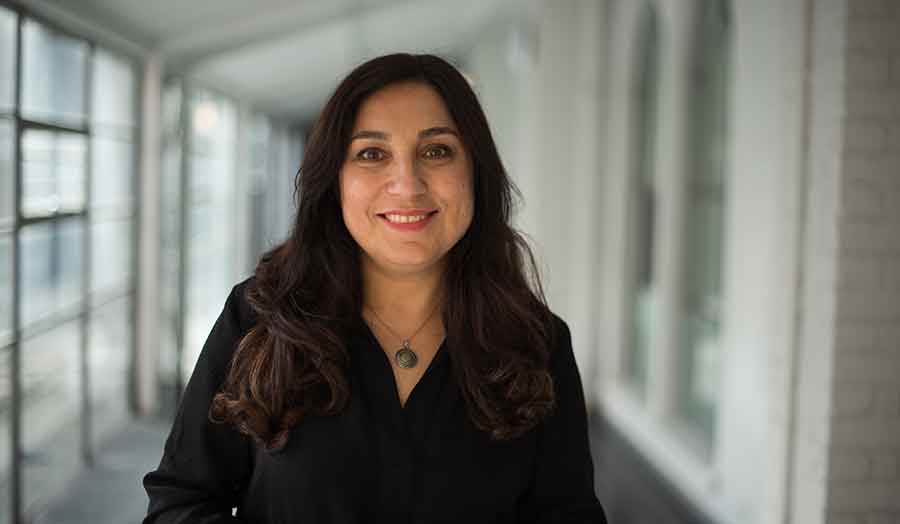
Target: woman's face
406 181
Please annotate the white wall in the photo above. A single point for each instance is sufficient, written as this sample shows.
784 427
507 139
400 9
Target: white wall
539 79
864 418
763 243
806 495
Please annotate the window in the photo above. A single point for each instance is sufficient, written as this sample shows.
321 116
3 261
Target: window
6 283
53 172
704 203
211 223
7 60
112 229
50 262
109 364
50 412
226 190
72 241
54 70
171 237
642 208
7 173
8 54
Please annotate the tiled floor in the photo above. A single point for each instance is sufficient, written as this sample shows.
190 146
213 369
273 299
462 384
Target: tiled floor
112 491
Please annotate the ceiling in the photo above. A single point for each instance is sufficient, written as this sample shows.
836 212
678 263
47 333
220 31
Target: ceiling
284 56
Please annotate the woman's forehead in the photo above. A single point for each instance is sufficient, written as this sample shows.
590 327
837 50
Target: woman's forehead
403 106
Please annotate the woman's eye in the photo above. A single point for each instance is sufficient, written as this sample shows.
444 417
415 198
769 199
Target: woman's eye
437 152
370 154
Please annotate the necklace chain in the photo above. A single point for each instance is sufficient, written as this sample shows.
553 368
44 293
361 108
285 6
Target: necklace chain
405 356
404 340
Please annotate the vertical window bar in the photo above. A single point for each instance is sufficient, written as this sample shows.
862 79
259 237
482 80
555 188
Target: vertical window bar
137 136
86 246
16 360
183 230
640 252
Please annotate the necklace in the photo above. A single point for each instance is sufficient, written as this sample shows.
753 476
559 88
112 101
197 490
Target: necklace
405 356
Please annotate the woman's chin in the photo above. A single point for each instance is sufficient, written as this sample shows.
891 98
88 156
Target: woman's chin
409 264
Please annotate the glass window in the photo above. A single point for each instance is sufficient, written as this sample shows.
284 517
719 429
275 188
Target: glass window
111 255
5 433
51 261
51 409
274 153
643 202
211 231
7 173
54 69
6 284
113 96
109 361
701 304
7 60
170 235
53 171
112 180
208 279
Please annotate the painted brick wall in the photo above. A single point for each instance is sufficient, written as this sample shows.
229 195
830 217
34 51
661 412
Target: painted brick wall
864 449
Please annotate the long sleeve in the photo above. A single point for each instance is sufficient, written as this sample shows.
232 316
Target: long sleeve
204 465
562 489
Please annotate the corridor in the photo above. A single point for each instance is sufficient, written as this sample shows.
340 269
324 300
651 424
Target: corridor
710 187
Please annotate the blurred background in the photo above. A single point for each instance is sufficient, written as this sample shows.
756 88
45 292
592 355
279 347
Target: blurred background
712 188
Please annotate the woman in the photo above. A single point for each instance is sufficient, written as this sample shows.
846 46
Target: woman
392 360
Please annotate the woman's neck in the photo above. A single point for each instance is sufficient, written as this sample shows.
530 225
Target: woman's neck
402 299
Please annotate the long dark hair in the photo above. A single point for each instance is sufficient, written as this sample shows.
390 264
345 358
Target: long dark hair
307 291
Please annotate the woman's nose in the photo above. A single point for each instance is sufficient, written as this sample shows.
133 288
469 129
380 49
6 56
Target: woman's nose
406 179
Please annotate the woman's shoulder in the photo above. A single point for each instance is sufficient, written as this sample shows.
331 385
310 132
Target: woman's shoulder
559 329
239 305
562 356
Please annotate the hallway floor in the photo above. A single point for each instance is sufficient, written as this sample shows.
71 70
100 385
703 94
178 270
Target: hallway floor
111 492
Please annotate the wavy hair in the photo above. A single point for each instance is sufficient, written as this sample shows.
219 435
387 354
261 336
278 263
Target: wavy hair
307 291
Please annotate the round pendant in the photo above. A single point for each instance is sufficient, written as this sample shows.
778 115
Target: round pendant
405 357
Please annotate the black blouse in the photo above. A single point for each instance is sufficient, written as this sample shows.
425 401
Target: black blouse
378 461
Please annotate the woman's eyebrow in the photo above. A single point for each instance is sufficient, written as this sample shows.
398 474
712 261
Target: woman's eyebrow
377 135
423 134
440 130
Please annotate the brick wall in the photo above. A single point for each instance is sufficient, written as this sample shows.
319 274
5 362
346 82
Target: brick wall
864 443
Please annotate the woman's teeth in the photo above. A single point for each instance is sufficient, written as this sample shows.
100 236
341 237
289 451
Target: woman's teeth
403 219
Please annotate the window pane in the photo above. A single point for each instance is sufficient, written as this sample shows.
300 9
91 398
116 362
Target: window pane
111 257
208 279
53 75
5 425
170 232
643 204
51 264
109 359
113 174
50 414
7 61
113 95
704 232
7 173
212 223
53 170
6 283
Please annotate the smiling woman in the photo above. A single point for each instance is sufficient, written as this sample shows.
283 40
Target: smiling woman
406 190
394 358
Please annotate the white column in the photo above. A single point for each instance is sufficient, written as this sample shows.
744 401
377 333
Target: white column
147 327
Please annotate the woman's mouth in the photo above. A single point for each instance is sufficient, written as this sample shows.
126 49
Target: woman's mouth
407 220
